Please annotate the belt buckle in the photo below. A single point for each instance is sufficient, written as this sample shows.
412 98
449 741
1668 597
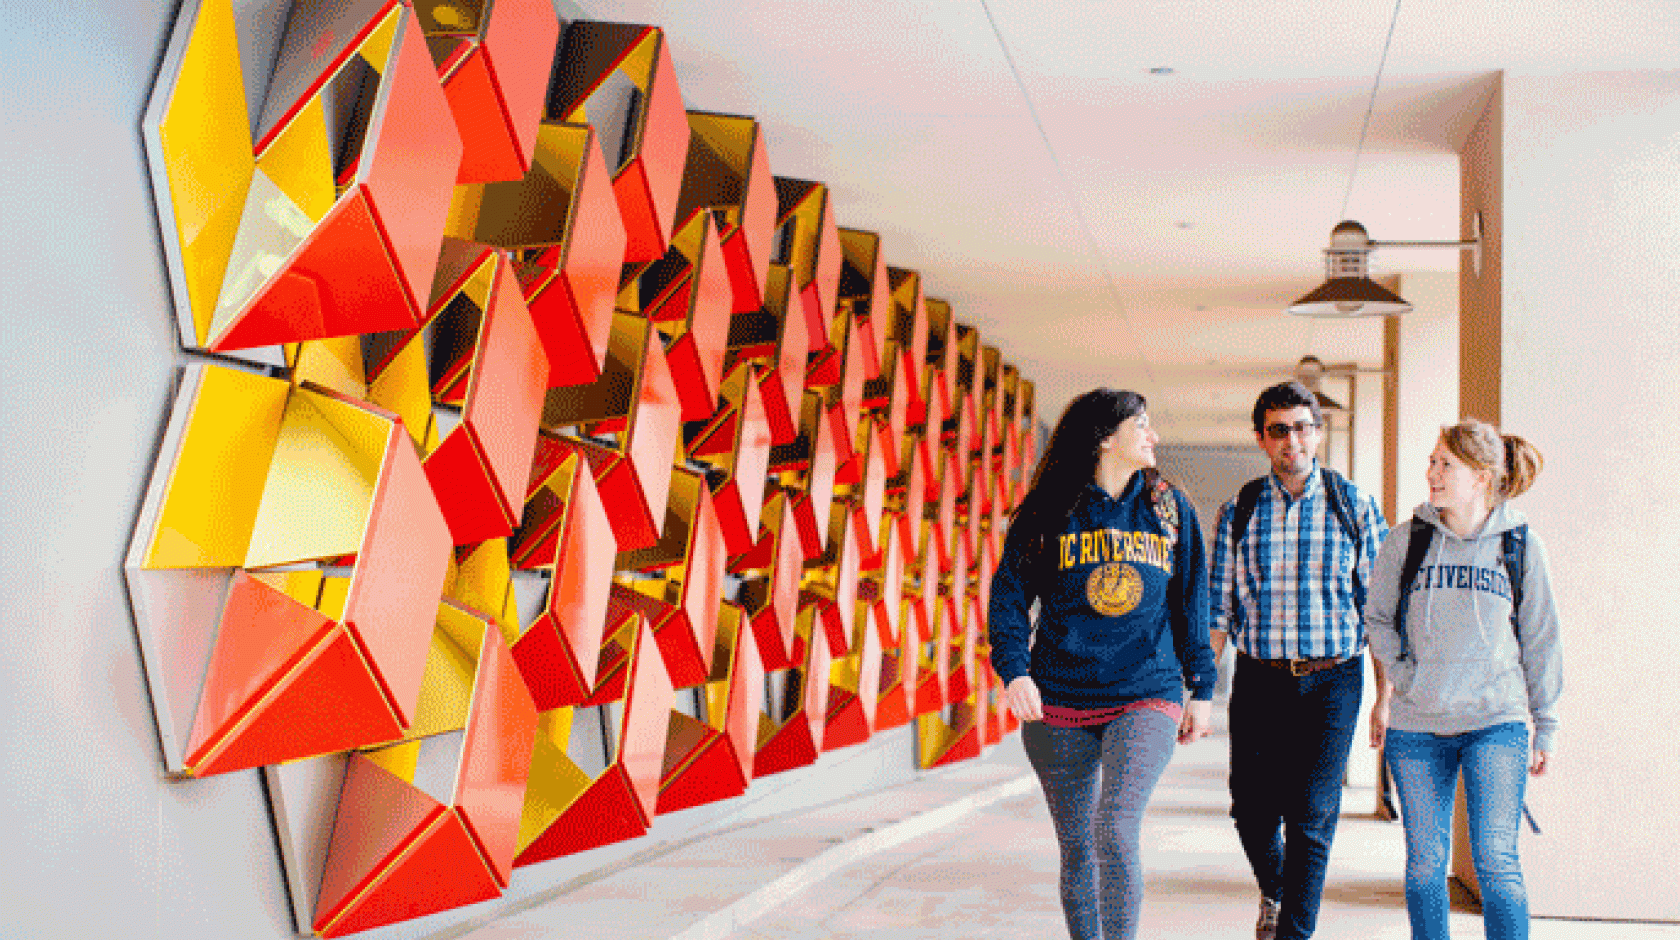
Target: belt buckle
1296 667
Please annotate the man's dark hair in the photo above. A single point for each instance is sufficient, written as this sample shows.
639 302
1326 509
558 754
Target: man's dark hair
1282 397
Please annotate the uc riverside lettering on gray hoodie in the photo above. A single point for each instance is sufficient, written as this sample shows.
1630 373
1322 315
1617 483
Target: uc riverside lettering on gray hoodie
1468 670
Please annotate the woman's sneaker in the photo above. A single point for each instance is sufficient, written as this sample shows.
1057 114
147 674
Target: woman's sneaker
1266 927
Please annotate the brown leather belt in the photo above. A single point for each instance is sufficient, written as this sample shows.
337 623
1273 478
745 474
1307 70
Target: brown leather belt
1300 667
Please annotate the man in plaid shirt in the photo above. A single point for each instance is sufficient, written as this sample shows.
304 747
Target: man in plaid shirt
1288 592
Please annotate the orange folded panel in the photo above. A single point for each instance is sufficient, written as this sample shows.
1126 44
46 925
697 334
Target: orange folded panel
265 702
494 62
402 848
898 679
605 813
562 216
796 741
958 746
400 570
717 763
942 354
865 281
687 295
728 172
283 682
809 243
396 854
808 466
700 767
780 344
481 468
568 532
672 630
735 443
862 481
367 265
909 331
839 369
882 580
619 77
621 802
854 690
831 581
770 583
745 688
495 760
635 403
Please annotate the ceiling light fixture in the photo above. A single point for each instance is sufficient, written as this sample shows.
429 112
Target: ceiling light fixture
1348 290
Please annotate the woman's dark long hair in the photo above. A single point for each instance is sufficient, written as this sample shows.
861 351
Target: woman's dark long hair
1070 460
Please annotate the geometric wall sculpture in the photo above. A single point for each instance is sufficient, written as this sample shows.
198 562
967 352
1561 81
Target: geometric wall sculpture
558 465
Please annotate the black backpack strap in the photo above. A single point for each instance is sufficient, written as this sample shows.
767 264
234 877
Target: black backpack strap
1513 549
1247 498
1417 547
1338 493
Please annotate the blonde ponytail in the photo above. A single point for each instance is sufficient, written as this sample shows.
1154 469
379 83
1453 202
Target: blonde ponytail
1510 462
1523 463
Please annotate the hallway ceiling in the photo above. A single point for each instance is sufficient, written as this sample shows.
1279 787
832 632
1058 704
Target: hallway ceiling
1106 225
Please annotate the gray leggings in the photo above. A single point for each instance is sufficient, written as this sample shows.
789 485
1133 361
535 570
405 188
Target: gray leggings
1098 824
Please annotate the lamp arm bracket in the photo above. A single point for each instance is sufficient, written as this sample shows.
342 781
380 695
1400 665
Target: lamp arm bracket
1467 245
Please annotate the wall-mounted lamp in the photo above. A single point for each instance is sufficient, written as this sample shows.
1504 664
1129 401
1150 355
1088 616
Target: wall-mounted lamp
1348 290
1310 372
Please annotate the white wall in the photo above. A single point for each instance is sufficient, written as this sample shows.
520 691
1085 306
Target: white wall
1426 376
1590 343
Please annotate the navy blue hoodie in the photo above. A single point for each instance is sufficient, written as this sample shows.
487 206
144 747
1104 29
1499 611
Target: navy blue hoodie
1123 611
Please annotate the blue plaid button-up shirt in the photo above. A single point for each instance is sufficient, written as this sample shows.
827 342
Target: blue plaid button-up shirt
1287 591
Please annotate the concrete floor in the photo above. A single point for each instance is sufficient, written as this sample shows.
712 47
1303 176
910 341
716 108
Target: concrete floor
968 852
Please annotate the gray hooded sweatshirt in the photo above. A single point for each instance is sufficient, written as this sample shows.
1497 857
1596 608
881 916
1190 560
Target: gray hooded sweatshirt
1468 669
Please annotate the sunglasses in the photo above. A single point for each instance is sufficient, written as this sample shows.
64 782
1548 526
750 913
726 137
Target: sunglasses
1278 432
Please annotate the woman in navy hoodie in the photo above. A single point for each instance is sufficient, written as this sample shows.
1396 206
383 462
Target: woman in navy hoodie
1473 657
1113 557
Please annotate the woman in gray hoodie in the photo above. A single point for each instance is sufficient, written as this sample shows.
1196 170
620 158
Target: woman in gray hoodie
1462 617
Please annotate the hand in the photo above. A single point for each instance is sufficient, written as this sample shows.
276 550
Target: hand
1542 760
1022 697
1379 722
1197 721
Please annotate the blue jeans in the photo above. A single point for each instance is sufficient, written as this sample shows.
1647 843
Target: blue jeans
1290 737
1425 769
1098 824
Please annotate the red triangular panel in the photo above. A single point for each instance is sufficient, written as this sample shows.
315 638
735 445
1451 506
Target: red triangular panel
605 813
379 814
788 748
440 871
965 747
328 703
847 724
715 774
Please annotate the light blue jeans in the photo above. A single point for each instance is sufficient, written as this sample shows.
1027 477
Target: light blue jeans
1097 783
1425 769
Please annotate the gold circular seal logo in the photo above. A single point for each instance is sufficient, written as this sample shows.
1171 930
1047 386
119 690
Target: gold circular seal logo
1114 589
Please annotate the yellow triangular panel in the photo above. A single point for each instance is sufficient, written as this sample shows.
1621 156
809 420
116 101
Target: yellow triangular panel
206 135
299 161
215 486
